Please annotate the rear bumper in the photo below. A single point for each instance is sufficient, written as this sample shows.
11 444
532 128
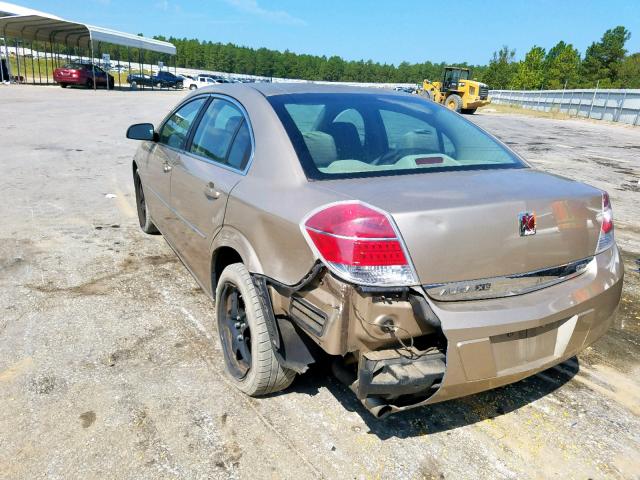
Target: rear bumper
496 342
70 80
488 343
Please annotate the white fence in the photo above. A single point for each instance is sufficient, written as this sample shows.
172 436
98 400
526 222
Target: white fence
613 105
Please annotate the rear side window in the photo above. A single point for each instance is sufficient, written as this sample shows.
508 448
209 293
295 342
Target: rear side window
217 130
174 131
241 148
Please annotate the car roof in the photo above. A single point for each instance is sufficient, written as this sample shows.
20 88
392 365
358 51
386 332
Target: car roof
271 89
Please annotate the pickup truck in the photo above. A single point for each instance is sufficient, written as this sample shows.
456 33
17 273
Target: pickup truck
160 80
200 81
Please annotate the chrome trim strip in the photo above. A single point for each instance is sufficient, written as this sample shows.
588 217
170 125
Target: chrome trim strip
508 285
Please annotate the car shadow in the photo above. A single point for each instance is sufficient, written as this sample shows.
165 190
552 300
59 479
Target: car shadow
445 416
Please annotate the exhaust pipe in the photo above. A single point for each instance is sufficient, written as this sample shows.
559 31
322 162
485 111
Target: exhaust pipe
378 407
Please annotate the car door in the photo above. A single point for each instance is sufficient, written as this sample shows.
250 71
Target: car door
162 156
203 177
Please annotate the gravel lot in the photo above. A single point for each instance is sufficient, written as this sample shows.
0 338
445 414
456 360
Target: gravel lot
108 367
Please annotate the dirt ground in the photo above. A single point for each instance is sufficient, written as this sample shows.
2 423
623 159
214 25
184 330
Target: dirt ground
109 368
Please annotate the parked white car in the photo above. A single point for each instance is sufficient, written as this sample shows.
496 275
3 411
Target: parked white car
200 81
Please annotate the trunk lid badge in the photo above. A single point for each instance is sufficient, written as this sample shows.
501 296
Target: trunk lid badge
527 223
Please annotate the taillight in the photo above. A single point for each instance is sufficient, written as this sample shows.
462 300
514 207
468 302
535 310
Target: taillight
606 224
360 244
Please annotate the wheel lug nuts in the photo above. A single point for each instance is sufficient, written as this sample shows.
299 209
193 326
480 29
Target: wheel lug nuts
238 325
240 338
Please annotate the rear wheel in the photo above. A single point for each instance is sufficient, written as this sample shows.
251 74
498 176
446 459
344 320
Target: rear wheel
468 111
146 224
89 83
192 87
249 358
454 102
159 85
63 85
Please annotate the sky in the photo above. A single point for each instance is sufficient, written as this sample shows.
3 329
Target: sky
383 31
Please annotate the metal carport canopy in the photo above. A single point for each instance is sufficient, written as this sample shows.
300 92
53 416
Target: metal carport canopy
55 30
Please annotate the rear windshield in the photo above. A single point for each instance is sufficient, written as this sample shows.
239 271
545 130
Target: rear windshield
340 135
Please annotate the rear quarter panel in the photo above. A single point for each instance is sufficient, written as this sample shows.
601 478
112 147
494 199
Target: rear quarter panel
267 205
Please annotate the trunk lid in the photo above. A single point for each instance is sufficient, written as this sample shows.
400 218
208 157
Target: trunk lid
461 226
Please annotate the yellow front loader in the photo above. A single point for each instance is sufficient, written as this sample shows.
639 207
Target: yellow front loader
456 91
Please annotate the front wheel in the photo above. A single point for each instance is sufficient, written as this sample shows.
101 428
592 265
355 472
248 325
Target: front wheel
63 85
146 224
192 87
454 102
249 358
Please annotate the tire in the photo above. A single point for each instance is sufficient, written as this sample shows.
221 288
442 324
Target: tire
159 85
193 87
453 102
111 84
144 217
250 363
89 84
468 111
63 85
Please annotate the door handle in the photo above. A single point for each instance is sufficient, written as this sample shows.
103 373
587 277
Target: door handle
210 191
166 168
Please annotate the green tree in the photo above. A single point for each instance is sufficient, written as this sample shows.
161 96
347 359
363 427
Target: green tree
530 72
501 70
629 72
562 67
602 59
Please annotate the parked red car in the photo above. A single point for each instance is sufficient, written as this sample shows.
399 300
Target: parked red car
82 74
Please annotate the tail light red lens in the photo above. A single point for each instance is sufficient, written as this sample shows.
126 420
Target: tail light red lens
360 244
607 214
606 239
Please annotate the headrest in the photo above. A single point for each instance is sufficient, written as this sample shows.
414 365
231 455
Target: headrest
321 146
426 140
347 139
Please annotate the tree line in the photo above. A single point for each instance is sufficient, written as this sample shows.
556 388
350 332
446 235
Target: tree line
605 62
196 54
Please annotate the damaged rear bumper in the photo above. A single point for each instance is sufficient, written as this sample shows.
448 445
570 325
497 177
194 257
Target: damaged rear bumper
485 343
491 343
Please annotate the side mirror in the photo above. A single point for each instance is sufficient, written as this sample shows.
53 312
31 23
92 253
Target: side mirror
142 131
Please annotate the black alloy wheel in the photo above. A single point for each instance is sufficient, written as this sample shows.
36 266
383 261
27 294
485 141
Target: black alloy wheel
235 333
